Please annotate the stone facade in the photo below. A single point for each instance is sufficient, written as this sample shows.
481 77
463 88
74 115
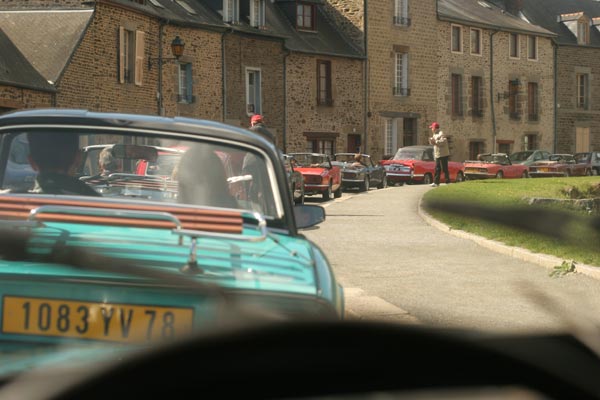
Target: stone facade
92 77
510 128
267 56
12 98
575 123
306 120
404 116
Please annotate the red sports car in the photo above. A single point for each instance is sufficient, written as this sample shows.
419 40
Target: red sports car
320 175
415 164
494 166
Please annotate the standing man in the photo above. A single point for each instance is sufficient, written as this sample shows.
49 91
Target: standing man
441 153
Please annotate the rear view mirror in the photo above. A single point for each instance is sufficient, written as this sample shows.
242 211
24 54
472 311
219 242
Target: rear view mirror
135 152
308 215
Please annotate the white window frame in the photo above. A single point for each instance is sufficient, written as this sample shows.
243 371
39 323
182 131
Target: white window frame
401 13
131 56
231 11
583 91
184 83
253 91
460 39
401 61
535 44
257 13
479 39
390 136
517 44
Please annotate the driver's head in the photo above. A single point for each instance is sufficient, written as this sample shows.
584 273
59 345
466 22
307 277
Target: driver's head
107 160
53 151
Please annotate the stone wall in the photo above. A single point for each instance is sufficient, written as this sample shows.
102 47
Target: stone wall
91 79
15 98
571 60
344 117
267 56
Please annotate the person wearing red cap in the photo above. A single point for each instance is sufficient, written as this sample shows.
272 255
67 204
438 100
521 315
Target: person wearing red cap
257 125
441 153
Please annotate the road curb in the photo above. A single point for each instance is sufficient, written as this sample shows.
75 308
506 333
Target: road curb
361 306
544 260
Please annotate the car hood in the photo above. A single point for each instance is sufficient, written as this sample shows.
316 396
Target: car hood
402 162
312 171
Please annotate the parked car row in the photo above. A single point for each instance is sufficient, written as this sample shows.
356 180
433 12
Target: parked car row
416 164
311 174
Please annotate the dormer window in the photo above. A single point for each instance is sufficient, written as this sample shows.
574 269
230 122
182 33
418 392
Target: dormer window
583 31
305 16
257 13
579 25
231 11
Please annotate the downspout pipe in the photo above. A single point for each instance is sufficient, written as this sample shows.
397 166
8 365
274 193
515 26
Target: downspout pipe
555 118
366 79
285 110
224 73
492 111
159 95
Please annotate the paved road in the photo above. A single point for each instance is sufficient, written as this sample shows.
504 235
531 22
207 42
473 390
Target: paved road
394 265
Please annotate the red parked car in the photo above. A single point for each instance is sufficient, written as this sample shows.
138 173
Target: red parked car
415 164
320 175
494 166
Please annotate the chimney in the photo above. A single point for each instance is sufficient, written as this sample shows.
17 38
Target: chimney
513 6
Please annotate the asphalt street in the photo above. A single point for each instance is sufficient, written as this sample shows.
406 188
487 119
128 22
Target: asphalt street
395 265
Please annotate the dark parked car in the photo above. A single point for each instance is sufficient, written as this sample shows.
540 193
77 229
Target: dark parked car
591 159
295 179
528 157
361 174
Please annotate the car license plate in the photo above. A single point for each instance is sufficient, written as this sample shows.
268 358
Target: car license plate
543 169
88 320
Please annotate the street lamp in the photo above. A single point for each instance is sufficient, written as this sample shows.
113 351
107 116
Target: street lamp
177 47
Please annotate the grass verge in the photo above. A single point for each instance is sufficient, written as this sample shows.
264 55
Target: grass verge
570 234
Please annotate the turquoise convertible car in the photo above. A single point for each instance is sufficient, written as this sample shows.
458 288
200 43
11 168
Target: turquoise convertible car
112 255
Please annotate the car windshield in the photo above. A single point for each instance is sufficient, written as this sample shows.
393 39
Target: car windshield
406 154
520 156
146 173
345 158
311 160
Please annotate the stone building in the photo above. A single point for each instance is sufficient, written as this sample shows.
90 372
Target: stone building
282 59
484 98
495 80
577 25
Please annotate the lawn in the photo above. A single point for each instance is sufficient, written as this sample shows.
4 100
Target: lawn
557 229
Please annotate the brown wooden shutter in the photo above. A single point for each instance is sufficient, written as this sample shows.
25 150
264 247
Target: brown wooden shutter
121 54
139 57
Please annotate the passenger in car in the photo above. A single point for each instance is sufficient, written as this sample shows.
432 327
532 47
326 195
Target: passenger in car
202 180
55 156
